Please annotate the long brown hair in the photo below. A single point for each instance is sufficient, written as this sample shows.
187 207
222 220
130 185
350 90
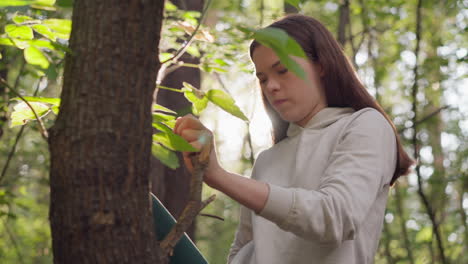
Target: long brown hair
340 81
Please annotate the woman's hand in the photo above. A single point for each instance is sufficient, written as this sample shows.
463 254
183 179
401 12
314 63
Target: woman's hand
251 193
192 130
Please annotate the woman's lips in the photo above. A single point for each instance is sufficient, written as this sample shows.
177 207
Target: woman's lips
279 102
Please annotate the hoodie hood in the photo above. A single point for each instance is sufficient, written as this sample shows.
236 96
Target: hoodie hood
322 119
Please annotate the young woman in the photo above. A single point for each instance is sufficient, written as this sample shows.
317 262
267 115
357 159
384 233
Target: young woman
318 195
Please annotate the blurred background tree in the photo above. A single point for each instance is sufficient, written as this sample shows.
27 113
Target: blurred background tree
414 65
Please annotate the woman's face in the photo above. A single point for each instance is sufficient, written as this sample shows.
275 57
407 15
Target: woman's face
293 98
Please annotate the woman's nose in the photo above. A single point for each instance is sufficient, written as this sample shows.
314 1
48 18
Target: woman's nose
272 85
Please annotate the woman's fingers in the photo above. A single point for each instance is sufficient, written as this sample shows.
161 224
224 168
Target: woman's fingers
191 134
187 121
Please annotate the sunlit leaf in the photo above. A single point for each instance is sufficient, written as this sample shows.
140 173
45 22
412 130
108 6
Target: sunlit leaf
22 113
15 2
48 100
41 43
21 44
35 57
198 104
284 46
196 97
6 42
192 50
424 235
167 157
62 27
162 117
165 56
19 32
45 2
168 6
22 19
158 107
226 102
45 31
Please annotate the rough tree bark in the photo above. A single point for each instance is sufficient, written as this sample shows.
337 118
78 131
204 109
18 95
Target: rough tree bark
100 145
172 186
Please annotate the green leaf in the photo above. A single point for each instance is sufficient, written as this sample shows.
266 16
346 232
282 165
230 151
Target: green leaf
62 27
192 50
41 43
294 3
196 97
198 105
221 62
45 2
226 102
35 57
55 109
162 117
157 107
22 19
171 140
6 42
22 113
168 6
15 2
20 44
45 31
166 156
47 100
165 56
19 32
283 45
424 235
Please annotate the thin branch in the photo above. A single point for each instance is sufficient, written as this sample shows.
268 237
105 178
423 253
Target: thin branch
42 128
10 155
195 205
191 38
428 207
212 216
170 89
343 21
18 136
424 119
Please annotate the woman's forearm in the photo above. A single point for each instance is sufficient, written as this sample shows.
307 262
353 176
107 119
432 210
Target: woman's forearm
248 192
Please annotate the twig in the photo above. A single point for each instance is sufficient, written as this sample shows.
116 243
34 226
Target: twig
189 41
10 155
195 205
213 216
424 119
429 209
41 124
170 89
18 136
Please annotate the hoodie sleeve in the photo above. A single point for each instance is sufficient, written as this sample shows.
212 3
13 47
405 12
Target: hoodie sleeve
362 162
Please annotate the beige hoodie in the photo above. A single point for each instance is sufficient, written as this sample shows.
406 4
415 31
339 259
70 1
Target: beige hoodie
328 183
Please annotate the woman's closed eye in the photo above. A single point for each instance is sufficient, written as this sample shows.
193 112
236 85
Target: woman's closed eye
283 71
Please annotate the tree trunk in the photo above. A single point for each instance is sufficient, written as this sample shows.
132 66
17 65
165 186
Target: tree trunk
100 145
172 186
